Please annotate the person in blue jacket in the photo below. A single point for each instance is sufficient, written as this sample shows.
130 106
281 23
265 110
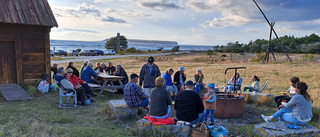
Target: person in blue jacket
169 85
87 73
235 79
209 102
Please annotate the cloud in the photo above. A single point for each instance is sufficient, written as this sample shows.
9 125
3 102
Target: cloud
253 30
112 20
128 13
77 30
158 5
195 30
84 10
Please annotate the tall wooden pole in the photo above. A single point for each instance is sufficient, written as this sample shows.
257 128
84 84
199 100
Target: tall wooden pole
273 30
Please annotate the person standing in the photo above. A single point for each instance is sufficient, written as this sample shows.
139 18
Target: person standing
54 69
180 78
209 102
148 74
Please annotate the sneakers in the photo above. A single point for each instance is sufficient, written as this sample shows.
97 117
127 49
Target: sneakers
265 118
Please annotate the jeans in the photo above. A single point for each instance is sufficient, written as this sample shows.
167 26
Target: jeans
285 115
210 113
198 120
94 82
197 89
81 95
165 116
172 89
231 88
245 89
88 89
144 103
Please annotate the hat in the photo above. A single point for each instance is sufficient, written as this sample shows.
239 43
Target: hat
133 75
151 60
182 68
211 85
189 82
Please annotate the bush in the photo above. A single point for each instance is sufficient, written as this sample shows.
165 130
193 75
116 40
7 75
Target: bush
258 58
175 48
79 50
131 50
223 55
160 49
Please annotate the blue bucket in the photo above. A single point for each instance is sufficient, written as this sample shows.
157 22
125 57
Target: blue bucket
88 99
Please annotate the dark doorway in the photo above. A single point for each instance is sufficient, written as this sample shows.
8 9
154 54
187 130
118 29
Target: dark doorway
8 71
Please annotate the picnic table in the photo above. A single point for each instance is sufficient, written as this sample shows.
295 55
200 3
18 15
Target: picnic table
110 79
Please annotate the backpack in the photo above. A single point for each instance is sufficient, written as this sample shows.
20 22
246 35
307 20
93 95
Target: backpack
43 86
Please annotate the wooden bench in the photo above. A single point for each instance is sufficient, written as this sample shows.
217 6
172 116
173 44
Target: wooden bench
94 87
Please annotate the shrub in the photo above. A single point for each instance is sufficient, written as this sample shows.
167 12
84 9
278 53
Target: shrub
175 48
79 50
223 55
160 49
258 58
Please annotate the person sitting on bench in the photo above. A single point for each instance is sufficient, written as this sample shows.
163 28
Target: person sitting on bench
133 94
254 85
160 104
298 110
235 79
76 81
87 73
290 91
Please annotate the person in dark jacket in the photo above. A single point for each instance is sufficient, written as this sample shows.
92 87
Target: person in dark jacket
54 70
189 105
160 104
121 72
148 74
75 71
180 78
110 69
98 67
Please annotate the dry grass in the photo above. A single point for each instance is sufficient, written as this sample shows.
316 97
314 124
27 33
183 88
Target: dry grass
277 73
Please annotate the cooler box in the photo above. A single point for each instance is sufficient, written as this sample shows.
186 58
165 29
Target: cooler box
221 131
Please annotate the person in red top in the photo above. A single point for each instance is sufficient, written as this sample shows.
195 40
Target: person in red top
76 81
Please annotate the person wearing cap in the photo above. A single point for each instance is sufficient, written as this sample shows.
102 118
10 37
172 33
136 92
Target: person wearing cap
180 78
235 79
189 105
209 101
198 77
171 88
133 94
160 104
148 74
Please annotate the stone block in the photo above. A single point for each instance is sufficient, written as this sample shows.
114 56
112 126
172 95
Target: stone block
305 130
144 125
120 109
258 98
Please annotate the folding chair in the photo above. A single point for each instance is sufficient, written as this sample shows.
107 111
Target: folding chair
67 93
265 84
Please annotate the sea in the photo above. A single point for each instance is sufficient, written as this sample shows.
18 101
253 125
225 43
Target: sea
138 44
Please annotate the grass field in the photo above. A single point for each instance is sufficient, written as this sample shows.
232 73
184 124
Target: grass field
42 117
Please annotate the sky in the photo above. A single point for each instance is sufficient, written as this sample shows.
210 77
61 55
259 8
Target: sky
188 22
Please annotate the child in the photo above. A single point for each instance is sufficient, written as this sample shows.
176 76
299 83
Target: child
209 103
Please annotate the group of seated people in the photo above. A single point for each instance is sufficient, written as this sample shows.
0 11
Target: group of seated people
295 108
70 79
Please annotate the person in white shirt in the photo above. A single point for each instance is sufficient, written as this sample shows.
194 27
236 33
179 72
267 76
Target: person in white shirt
290 91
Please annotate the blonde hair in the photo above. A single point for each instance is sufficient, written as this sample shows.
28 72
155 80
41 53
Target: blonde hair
160 82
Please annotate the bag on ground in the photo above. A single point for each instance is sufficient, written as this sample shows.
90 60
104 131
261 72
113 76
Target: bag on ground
43 86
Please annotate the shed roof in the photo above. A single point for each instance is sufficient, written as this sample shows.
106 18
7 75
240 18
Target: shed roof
30 12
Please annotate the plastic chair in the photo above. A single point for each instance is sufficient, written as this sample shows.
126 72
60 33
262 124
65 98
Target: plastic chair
70 93
265 84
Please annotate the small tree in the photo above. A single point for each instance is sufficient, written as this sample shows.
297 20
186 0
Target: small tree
79 50
112 43
175 48
210 53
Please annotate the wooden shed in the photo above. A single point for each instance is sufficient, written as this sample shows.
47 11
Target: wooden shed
25 26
